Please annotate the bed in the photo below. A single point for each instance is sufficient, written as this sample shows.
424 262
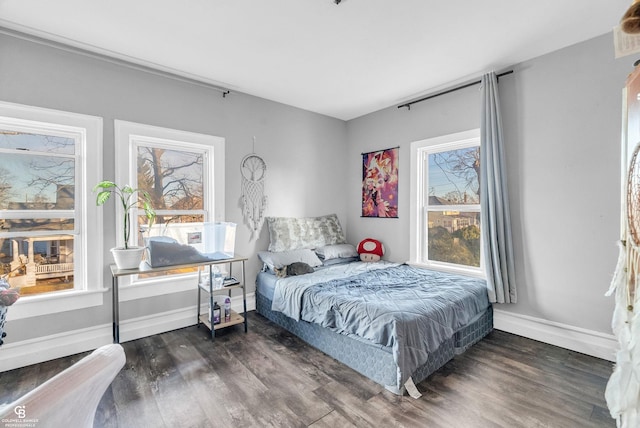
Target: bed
394 323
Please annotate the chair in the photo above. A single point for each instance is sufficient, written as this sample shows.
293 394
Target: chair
70 398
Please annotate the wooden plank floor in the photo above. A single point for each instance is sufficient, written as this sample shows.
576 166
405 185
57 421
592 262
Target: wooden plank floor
270 378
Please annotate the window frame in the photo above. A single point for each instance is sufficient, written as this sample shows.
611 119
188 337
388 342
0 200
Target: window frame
88 288
130 135
419 206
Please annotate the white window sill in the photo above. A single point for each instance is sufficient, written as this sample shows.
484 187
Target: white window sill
51 303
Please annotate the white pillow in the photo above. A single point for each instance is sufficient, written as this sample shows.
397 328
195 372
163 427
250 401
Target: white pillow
284 258
337 251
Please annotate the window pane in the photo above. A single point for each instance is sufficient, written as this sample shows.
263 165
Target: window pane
454 237
38 264
169 219
453 177
45 157
174 179
15 140
33 182
35 224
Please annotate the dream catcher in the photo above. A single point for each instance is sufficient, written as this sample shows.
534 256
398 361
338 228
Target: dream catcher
623 388
253 200
631 19
633 233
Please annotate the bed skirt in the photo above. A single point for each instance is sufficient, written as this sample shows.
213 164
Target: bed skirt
376 361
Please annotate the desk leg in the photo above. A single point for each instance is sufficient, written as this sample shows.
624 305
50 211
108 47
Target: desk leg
198 306
116 310
213 330
244 296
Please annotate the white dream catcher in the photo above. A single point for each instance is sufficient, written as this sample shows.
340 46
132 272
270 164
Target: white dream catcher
623 388
253 200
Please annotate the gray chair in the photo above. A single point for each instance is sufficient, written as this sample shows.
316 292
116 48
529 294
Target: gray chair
70 398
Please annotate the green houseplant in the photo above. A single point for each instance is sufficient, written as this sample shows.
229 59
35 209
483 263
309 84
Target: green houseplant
126 257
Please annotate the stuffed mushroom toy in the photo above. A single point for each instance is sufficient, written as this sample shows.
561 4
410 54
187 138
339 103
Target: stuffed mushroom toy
370 250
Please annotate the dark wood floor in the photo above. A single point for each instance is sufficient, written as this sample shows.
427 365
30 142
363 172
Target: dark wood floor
269 378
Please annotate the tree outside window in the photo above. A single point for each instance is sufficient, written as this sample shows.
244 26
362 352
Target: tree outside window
175 181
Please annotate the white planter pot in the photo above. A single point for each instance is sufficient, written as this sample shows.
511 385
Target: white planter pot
129 258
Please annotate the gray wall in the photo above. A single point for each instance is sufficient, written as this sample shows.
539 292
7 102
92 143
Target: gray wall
562 115
299 147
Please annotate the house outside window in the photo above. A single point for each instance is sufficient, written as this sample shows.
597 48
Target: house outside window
445 206
183 172
43 214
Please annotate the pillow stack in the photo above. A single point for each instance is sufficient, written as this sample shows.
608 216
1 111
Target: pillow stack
316 241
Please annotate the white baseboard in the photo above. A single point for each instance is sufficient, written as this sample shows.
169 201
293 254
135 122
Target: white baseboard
38 350
577 339
33 351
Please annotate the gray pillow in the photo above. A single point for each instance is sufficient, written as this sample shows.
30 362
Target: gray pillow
340 261
287 233
280 259
329 252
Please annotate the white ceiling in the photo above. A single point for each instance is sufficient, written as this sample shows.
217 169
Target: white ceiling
342 60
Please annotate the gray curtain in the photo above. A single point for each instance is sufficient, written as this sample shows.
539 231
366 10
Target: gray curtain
494 200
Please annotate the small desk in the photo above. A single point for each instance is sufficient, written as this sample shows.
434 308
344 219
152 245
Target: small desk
145 268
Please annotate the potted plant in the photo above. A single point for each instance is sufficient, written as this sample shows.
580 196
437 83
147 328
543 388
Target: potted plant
126 257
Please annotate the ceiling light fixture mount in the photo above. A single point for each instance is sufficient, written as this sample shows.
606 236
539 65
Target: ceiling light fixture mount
337 1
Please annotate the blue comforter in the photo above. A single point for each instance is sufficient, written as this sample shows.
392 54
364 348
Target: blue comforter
409 309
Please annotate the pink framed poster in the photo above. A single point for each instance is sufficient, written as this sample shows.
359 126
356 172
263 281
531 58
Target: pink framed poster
380 183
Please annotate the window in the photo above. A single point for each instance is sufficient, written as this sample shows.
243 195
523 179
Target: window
183 172
43 214
445 226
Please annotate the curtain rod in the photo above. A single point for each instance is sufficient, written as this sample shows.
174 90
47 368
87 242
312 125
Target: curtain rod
466 85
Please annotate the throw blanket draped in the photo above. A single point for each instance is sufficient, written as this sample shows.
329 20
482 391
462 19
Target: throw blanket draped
409 309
